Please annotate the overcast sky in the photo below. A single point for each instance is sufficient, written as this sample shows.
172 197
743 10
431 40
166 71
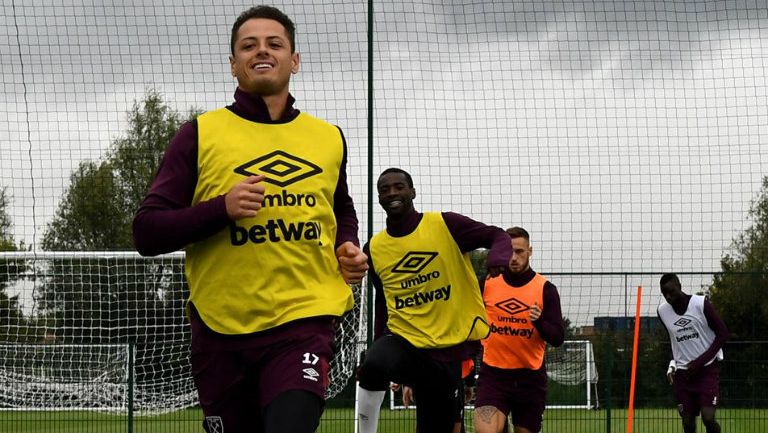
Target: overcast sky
626 136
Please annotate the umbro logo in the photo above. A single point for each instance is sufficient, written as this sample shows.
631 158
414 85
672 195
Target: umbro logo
512 306
414 262
682 322
280 168
311 374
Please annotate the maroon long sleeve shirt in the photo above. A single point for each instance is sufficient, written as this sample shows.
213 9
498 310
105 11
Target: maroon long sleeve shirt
166 221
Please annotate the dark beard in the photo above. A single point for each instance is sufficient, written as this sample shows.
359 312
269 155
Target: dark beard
266 88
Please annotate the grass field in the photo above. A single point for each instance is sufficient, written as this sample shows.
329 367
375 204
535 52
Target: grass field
340 421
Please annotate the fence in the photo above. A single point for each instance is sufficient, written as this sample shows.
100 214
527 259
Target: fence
122 363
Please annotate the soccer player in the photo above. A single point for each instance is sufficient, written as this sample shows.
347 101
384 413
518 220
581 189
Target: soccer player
524 313
429 314
257 195
697 335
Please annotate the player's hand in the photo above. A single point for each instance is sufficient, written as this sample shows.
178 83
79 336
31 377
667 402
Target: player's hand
495 271
671 371
246 198
535 311
353 262
407 396
469 394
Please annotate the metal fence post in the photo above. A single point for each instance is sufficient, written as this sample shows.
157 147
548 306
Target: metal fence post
130 387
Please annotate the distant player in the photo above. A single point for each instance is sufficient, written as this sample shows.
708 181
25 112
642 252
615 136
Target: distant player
697 335
429 311
524 313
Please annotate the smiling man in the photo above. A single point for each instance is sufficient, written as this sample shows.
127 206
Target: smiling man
429 313
257 194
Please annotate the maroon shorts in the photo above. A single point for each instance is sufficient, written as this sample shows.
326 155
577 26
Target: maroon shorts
700 390
237 377
521 392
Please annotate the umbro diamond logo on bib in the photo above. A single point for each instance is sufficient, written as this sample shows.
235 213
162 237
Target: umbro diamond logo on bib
414 262
280 168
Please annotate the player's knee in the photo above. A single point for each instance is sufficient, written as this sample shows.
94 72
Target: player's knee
372 375
689 423
488 419
293 411
709 421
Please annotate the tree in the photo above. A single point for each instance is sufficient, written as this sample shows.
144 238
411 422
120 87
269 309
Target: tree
97 209
12 322
740 295
102 299
740 292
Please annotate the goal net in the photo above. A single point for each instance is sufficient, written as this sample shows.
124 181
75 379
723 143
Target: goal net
89 309
64 376
572 376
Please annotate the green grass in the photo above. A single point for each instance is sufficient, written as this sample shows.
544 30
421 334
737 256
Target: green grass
340 421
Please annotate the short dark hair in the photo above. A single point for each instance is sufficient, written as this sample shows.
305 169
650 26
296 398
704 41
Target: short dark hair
666 278
518 232
270 13
408 177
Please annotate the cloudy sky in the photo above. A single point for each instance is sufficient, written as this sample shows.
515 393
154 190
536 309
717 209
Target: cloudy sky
626 136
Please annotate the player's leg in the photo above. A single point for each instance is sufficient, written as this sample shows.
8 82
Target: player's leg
489 419
458 427
293 377
386 361
707 386
439 392
528 398
709 421
225 392
491 402
293 411
687 404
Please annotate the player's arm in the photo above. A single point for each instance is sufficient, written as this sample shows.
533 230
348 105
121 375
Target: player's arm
470 235
672 363
721 336
380 313
166 221
550 323
352 261
343 206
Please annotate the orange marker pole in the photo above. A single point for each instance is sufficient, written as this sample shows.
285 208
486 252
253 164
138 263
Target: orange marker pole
631 412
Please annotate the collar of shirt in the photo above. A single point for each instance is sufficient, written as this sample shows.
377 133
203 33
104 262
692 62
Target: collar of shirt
518 280
405 225
253 108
